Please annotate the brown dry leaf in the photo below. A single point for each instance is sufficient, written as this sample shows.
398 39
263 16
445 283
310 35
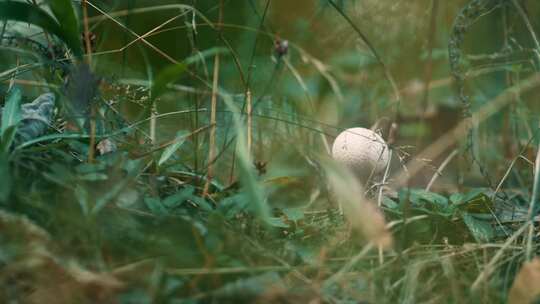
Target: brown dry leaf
39 274
72 284
362 214
526 287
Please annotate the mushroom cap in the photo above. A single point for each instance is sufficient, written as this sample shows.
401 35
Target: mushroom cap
361 150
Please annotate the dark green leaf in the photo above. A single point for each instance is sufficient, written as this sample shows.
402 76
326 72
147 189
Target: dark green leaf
25 12
82 196
7 138
11 113
476 201
389 203
180 197
67 18
154 205
419 197
173 72
482 231
166 76
5 177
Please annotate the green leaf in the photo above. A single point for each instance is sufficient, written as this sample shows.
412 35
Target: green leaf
456 198
82 197
172 72
5 177
169 151
25 12
247 176
476 201
94 177
7 138
67 18
177 199
166 76
471 195
11 114
233 205
276 222
389 203
419 197
482 231
294 214
201 203
154 205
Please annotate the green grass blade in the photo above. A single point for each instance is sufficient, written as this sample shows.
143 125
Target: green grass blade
166 76
246 170
5 176
169 151
65 13
11 114
173 72
7 138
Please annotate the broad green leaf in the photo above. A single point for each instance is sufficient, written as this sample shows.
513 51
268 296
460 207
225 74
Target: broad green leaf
170 150
177 199
11 113
25 12
419 197
389 203
426 202
155 206
471 195
482 231
476 201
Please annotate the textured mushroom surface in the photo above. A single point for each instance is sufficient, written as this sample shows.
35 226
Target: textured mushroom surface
361 150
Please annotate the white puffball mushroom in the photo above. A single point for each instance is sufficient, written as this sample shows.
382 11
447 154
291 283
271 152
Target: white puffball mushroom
361 150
